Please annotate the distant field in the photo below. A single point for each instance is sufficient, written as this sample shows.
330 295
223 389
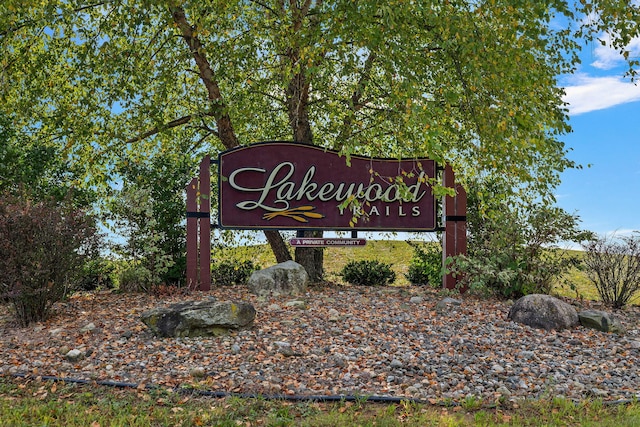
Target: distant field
397 253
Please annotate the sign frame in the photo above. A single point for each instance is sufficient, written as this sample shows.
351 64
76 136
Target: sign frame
198 207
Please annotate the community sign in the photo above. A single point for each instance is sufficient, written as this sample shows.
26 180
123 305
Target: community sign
287 185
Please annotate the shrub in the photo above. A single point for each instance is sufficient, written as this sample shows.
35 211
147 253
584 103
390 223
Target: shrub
513 243
426 264
135 278
97 273
42 247
232 272
368 273
613 266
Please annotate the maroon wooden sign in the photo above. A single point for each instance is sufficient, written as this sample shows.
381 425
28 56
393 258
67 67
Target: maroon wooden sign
285 185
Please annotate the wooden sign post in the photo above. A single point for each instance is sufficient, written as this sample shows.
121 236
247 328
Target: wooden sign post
199 229
454 238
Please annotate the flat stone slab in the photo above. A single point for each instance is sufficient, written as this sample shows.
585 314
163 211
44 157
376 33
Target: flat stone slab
198 318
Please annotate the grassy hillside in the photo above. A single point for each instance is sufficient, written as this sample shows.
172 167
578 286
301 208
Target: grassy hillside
397 253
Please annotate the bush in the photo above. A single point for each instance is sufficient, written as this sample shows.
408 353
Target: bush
368 273
135 278
98 273
232 272
613 266
426 264
513 244
42 247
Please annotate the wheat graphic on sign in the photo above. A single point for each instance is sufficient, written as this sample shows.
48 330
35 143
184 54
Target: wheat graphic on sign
300 214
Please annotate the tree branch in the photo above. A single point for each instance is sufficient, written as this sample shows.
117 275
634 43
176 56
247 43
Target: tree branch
225 129
357 103
155 130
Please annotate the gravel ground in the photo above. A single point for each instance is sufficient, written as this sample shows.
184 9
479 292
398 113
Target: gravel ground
342 340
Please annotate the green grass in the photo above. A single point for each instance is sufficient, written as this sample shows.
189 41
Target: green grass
397 253
46 403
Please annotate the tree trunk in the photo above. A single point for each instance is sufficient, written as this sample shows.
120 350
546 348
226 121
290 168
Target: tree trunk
312 259
278 246
225 129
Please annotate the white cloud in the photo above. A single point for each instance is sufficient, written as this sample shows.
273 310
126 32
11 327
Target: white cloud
607 58
597 93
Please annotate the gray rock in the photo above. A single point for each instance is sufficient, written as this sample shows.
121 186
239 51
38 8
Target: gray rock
598 392
334 315
601 321
543 312
498 369
444 304
416 300
297 304
396 364
200 318
89 327
284 348
198 372
505 392
73 355
287 278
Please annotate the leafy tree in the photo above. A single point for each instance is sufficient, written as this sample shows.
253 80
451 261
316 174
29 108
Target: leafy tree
29 166
471 83
148 209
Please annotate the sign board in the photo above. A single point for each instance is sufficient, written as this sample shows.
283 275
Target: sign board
319 242
286 185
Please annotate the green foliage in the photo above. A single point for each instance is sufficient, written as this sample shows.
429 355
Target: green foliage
613 266
513 244
232 272
149 210
426 264
43 244
97 273
37 167
135 278
147 244
368 273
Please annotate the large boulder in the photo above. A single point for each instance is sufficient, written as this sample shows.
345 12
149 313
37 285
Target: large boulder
601 321
287 278
544 312
198 318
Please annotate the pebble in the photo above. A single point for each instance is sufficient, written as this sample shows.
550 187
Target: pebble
89 327
73 355
296 304
396 364
198 372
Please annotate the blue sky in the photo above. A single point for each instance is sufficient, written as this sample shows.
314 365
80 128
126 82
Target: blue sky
605 115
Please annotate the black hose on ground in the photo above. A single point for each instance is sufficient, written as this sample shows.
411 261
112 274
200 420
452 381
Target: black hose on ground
223 394
286 397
